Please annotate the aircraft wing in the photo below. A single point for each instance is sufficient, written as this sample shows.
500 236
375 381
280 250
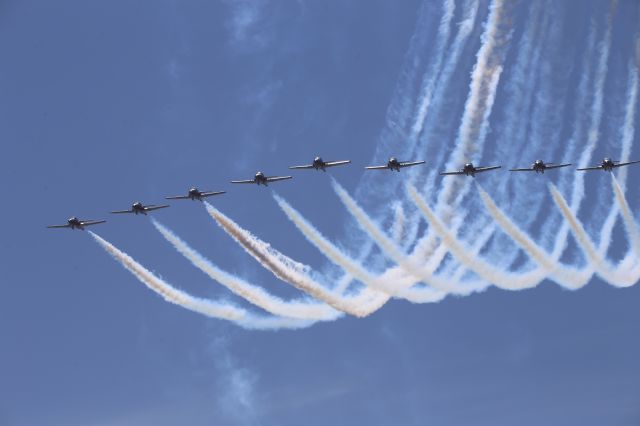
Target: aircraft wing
306 166
210 193
59 226
277 178
122 211
627 163
590 168
459 172
336 163
557 166
91 222
177 197
486 169
376 167
154 207
243 181
528 169
411 163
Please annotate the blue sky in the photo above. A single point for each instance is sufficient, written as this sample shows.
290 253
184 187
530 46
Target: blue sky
104 104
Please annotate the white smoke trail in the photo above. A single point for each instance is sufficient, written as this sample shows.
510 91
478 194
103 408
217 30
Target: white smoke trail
209 308
481 235
630 225
309 310
431 117
593 132
386 283
430 78
399 223
615 277
501 279
435 119
555 231
570 278
415 272
398 115
628 132
294 273
474 124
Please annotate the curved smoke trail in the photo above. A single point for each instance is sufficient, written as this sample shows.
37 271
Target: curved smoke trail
296 274
309 310
209 308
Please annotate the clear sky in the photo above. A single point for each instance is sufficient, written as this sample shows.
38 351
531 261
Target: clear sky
106 103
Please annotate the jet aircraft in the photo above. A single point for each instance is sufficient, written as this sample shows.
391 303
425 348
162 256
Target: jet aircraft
320 164
608 165
540 166
394 164
470 170
139 208
195 194
75 223
261 179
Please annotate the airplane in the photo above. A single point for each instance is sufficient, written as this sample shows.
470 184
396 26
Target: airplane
540 166
470 170
261 179
74 222
394 164
608 165
139 208
320 164
195 194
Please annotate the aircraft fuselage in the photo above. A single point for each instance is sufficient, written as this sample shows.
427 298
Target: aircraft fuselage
393 164
260 179
608 165
138 208
469 170
319 164
195 194
539 166
74 223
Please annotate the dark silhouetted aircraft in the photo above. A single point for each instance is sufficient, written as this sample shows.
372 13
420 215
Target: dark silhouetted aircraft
394 164
75 223
261 179
139 208
195 194
608 165
470 170
320 164
540 166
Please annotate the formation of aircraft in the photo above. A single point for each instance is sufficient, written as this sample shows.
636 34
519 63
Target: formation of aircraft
394 164
540 166
261 179
139 208
75 223
195 194
318 163
470 170
608 165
